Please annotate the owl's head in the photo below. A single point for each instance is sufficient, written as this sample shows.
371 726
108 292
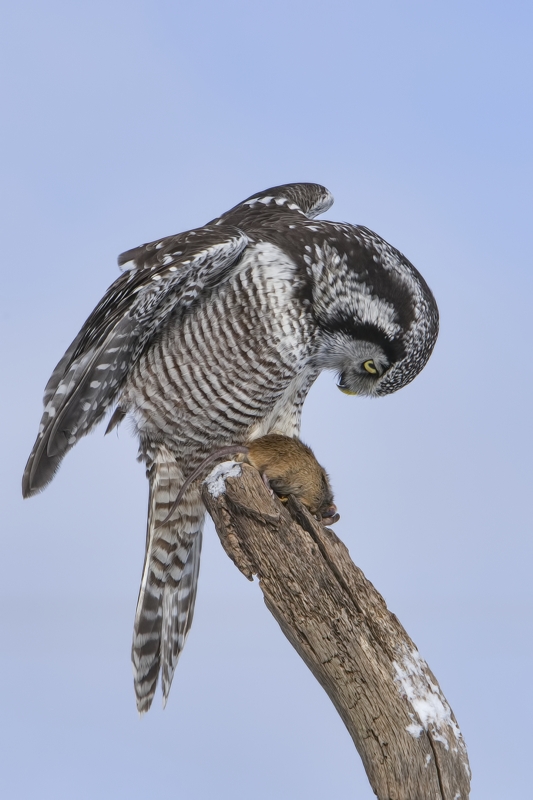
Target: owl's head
366 366
361 364
377 316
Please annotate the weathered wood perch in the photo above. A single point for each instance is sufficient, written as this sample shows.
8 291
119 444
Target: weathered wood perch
388 698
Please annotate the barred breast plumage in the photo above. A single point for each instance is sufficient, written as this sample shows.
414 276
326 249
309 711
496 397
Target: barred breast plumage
204 380
214 337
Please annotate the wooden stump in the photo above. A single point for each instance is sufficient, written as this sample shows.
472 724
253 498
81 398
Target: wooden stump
388 698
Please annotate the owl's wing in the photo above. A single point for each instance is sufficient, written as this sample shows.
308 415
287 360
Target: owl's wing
159 277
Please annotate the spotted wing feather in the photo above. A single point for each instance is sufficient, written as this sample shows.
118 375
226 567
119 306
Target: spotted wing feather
163 275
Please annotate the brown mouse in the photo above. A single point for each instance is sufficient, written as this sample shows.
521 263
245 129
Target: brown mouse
287 465
291 468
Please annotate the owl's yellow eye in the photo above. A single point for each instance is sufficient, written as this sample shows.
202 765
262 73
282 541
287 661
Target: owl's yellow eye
370 367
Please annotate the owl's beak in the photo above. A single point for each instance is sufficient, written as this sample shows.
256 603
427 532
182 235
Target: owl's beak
345 390
342 384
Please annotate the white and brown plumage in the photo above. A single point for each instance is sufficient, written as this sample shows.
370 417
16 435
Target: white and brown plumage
216 336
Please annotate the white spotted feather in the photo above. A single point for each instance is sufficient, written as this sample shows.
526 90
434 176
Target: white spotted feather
88 377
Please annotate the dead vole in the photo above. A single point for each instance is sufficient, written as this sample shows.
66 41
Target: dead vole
287 465
291 468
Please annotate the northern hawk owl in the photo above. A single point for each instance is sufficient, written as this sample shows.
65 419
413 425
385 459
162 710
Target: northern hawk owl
215 336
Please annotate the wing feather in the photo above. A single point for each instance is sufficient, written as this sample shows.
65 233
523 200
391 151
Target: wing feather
164 275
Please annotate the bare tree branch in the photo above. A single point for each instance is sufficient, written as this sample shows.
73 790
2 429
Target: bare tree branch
388 698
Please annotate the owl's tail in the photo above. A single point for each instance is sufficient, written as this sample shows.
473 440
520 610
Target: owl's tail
168 588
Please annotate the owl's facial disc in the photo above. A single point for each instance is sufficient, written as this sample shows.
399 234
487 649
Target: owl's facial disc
359 363
362 369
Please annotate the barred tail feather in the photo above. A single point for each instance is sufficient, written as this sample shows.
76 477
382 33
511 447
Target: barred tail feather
178 609
172 553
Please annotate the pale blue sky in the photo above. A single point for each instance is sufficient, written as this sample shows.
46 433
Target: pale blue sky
127 121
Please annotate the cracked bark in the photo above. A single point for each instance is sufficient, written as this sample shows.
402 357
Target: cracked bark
386 695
